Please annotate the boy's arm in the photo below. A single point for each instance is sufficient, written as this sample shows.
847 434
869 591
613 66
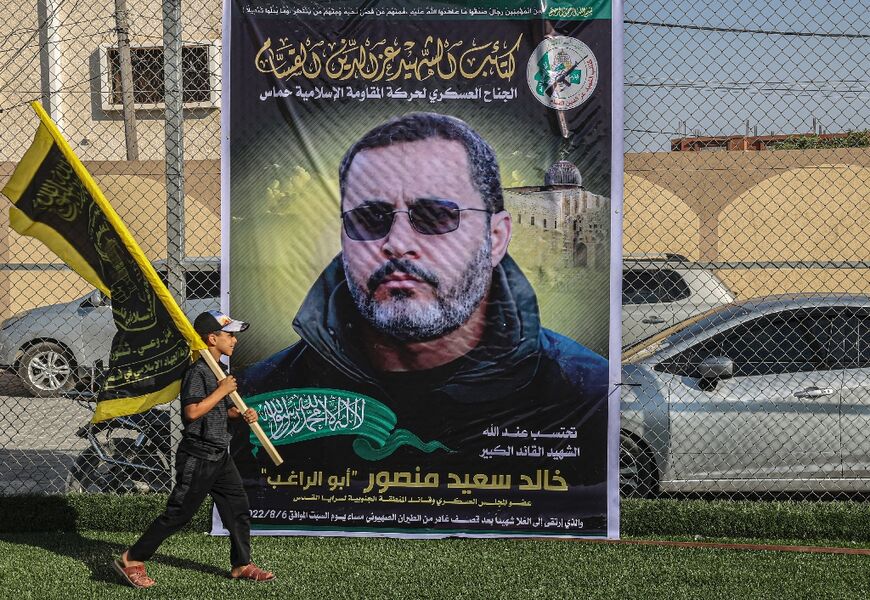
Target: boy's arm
195 410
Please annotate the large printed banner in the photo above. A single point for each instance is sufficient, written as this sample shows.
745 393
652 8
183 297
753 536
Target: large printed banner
417 196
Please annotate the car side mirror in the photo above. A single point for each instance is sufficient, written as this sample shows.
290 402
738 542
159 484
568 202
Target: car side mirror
97 298
712 369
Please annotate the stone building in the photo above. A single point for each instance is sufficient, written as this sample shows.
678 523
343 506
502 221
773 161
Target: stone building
579 219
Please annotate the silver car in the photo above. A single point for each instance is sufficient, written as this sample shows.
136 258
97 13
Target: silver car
659 291
54 348
764 395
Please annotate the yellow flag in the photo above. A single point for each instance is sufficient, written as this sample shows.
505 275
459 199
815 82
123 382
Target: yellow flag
57 201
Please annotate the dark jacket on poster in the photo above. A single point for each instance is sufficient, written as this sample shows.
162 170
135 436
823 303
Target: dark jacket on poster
520 375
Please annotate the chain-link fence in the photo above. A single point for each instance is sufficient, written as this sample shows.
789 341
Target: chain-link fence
747 180
99 71
745 239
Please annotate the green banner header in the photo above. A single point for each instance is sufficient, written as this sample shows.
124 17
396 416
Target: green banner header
402 9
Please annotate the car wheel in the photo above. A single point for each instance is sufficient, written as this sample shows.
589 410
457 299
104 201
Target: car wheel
47 369
637 473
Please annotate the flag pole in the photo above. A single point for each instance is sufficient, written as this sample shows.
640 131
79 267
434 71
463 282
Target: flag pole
242 408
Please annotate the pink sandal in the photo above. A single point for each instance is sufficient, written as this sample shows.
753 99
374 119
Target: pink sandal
252 572
134 574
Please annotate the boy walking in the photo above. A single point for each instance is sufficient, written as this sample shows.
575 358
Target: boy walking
203 465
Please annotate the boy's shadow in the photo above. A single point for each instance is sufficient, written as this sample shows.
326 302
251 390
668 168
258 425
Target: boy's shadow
60 537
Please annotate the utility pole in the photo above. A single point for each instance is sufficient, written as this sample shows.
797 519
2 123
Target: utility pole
174 134
126 65
51 62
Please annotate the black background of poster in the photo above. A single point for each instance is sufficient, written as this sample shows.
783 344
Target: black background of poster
333 126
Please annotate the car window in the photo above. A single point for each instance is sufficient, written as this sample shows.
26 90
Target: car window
864 341
653 286
787 342
852 333
847 340
200 285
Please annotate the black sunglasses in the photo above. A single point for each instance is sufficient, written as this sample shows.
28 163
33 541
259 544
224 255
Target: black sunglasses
429 216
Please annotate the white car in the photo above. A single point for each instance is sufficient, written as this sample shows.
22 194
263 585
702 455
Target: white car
659 291
56 347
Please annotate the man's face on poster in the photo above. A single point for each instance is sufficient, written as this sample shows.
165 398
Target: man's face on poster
410 283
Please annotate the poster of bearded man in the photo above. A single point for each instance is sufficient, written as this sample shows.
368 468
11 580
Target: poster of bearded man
418 210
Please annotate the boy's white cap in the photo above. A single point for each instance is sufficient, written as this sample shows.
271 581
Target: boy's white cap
214 320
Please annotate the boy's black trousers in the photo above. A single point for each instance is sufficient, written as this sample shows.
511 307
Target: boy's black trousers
195 478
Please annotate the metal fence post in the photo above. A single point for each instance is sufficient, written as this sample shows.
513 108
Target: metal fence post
172 47
125 62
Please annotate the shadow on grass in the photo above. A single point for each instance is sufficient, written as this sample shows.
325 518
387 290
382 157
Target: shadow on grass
51 523
97 555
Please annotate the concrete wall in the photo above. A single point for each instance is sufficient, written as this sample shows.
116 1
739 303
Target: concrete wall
789 205
137 191
793 205
63 66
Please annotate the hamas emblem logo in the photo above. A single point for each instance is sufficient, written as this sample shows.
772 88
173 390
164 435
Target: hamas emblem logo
562 72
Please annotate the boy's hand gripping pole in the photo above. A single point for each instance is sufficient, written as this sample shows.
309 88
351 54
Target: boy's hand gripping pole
242 408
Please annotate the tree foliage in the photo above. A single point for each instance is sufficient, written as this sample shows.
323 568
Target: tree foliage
854 139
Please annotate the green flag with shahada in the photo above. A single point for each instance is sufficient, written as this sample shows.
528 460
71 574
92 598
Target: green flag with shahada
57 202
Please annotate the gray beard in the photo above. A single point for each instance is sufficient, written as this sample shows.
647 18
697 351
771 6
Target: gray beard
407 319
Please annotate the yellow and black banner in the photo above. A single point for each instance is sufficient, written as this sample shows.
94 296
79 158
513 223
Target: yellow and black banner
57 202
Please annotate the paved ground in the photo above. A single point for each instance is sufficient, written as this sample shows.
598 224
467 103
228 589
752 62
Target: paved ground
38 441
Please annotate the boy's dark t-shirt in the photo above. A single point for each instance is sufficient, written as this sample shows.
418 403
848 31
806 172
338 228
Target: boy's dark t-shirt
208 436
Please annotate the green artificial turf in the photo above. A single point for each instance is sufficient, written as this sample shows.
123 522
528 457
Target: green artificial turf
771 520
194 565
840 521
